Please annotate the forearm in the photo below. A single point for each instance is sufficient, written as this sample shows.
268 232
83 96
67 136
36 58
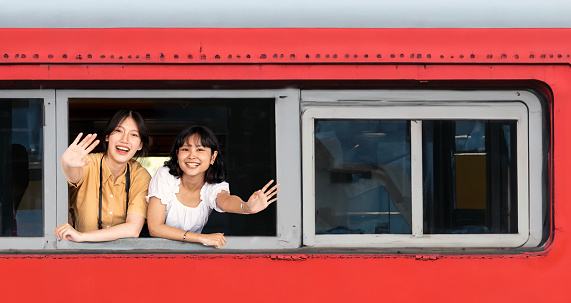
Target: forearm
232 204
124 230
72 174
161 230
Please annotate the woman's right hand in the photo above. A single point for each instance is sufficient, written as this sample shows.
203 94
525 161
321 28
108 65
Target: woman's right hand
74 155
217 240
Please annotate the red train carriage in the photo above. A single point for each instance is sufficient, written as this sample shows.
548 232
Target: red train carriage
420 147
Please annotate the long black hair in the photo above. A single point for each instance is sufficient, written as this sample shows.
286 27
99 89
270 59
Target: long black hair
118 118
215 173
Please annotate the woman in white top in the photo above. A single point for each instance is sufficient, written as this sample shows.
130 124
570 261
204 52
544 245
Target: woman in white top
183 193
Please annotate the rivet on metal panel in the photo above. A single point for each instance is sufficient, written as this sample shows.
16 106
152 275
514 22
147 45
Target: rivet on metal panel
102 57
472 56
230 56
282 56
503 56
418 56
36 56
402 55
248 56
461 56
112 57
78 57
355 56
531 56
334 56
6 56
366 56
551 56
137 57
516 56
452 57
275 56
64 56
129 57
263 56
190 56
23 56
148 56
346 56
292 56
490 56
17 56
559 56
217 57
428 56
50 56
318 56
542 56
89 56
203 57
120 57
412 56
392 55
441 56
327 56
306 56
238 56
175 56
379 56
162 57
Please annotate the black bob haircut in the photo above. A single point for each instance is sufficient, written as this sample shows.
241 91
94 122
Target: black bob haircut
215 173
118 118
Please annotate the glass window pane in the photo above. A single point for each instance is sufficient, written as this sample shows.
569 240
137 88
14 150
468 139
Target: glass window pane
470 177
21 157
245 129
362 177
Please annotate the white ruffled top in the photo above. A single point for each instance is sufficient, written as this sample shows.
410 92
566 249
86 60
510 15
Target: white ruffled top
165 187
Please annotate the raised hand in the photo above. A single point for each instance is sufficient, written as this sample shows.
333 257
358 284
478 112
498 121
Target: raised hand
260 199
74 155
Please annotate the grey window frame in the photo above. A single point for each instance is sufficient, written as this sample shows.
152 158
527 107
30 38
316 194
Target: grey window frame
48 240
288 231
416 105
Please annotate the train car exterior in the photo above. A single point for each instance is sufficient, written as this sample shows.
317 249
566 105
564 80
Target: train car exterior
420 149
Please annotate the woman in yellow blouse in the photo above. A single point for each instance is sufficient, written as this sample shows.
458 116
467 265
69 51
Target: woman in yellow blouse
107 196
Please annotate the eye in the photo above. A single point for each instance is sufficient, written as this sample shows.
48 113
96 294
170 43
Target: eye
135 135
201 149
118 130
183 149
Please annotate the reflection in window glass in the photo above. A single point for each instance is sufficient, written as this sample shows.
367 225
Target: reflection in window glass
470 177
21 157
245 129
362 177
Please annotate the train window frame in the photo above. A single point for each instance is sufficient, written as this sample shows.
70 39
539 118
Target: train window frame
288 221
49 196
418 105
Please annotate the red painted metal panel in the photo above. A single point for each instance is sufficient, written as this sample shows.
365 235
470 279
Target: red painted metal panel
527 277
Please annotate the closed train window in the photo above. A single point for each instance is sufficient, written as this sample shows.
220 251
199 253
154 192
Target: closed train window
423 169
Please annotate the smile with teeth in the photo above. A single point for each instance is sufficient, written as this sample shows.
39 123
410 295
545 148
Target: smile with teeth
192 164
122 149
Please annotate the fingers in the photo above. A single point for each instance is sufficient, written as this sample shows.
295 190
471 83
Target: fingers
267 185
77 139
85 143
92 146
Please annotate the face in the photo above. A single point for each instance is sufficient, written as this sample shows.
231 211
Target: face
124 141
195 159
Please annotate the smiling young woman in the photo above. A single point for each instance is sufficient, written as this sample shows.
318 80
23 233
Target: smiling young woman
107 196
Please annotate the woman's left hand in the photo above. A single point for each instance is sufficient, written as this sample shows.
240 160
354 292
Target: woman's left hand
261 199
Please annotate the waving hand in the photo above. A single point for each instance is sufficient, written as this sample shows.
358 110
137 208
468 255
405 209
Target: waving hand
74 155
260 199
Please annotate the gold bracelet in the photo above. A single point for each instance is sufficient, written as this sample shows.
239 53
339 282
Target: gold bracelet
184 237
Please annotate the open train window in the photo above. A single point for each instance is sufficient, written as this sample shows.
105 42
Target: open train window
423 169
249 131
27 201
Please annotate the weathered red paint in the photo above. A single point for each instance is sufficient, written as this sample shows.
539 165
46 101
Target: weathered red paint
530 277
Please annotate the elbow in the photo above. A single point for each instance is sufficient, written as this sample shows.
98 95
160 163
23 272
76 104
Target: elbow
153 230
